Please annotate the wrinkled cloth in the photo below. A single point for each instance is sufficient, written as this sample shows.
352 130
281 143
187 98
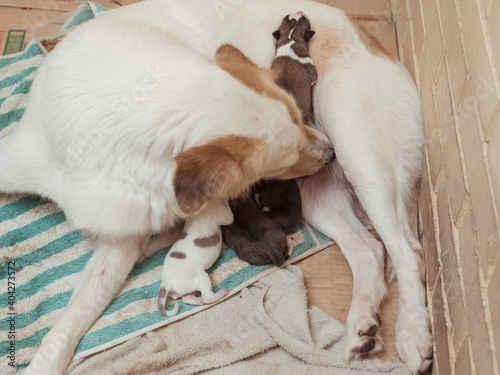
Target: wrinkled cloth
264 329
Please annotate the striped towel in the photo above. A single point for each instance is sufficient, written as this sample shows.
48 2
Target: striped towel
47 256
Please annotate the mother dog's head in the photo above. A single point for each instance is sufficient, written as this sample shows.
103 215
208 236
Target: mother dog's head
279 146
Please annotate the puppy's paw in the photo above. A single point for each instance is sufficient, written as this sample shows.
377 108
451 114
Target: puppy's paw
191 299
364 337
414 339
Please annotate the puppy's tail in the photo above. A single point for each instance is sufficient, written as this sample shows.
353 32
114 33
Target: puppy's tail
162 299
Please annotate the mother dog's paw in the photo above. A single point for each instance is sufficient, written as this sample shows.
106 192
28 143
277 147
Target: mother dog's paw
414 340
364 337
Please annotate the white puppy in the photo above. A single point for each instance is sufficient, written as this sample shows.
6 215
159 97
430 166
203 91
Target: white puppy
187 260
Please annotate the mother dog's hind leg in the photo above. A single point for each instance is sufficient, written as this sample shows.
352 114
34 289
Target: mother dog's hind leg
413 336
328 206
102 278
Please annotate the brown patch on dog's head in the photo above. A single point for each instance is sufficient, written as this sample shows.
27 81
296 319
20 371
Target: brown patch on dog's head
233 61
218 169
226 167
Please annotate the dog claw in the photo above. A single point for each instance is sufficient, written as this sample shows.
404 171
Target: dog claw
377 316
365 341
367 346
370 332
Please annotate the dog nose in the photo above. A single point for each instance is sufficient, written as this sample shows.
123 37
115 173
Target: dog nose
331 157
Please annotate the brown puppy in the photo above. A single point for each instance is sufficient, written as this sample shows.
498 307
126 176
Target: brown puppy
293 68
280 201
253 236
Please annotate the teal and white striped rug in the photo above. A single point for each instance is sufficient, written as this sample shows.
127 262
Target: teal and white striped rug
47 257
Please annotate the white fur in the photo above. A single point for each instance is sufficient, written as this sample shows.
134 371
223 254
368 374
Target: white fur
286 50
184 276
295 17
367 105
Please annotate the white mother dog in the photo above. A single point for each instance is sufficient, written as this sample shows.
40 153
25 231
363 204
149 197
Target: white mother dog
146 68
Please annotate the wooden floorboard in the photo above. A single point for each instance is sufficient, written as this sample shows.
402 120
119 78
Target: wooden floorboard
328 280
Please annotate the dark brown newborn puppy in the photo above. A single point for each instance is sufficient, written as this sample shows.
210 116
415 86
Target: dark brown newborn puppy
274 207
280 201
254 237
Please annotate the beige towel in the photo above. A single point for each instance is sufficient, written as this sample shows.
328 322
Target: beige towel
264 329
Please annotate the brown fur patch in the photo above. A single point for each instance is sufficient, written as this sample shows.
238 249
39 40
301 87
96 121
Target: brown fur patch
422 279
161 307
177 255
369 40
296 79
322 49
220 168
183 235
300 49
210 241
162 292
233 61
417 249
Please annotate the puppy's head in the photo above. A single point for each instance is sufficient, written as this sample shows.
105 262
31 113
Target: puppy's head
228 166
254 237
294 27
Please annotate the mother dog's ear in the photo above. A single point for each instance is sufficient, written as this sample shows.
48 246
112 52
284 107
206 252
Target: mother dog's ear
217 169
